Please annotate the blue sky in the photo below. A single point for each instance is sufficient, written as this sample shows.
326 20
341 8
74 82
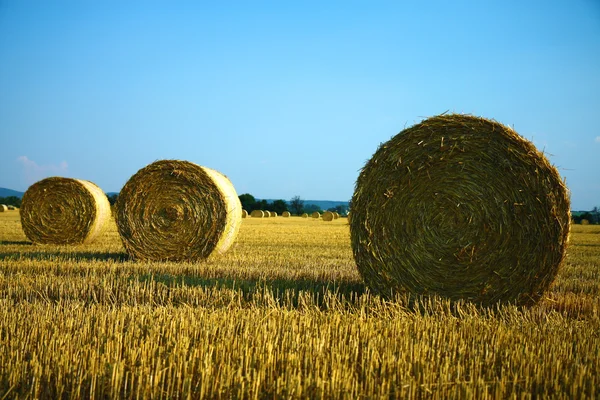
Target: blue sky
287 98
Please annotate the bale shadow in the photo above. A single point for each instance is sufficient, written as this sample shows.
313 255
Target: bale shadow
11 242
65 256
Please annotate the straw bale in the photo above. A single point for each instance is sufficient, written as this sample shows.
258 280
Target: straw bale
462 207
336 215
179 211
257 214
328 216
305 215
585 222
3 208
316 214
11 208
285 214
267 214
244 214
64 211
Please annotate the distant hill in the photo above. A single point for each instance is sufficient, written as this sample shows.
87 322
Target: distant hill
9 192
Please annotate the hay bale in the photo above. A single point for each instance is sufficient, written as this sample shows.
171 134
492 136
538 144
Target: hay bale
328 216
244 214
3 208
286 214
336 215
12 208
179 211
267 214
585 222
462 207
257 214
305 215
64 211
316 214
273 214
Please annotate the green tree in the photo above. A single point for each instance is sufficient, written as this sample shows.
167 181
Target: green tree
297 205
112 199
11 201
311 208
279 206
248 202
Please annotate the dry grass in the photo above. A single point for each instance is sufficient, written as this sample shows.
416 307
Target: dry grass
283 314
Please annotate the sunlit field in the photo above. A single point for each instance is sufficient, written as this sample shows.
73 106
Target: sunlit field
284 314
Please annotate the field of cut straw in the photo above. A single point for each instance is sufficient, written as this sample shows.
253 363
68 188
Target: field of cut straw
283 314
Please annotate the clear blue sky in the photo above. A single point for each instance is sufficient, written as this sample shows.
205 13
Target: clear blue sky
287 97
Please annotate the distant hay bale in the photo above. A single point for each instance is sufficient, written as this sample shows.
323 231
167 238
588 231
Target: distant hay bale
585 222
3 208
316 214
348 216
272 214
12 208
336 215
305 215
462 207
286 214
257 214
267 214
244 214
178 211
64 211
328 216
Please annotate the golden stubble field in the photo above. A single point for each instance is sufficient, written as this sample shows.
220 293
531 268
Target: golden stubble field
283 314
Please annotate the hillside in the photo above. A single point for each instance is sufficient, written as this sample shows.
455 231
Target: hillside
9 192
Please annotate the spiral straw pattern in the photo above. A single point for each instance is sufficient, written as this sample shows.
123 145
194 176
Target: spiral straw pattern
178 211
64 211
462 207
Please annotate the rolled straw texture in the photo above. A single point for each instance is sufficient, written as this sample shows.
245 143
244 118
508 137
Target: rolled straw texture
336 215
178 211
305 215
462 207
328 216
267 214
3 208
244 214
285 214
316 214
257 214
64 211
272 214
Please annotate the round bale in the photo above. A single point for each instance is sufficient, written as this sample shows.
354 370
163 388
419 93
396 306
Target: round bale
316 214
3 208
273 214
328 216
304 215
286 214
257 214
267 214
179 211
244 214
64 211
462 207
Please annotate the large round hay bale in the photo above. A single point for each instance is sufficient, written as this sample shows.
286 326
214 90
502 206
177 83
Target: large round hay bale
244 214
328 216
462 207
267 214
286 214
304 215
257 214
3 208
336 215
316 214
64 211
585 222
177 210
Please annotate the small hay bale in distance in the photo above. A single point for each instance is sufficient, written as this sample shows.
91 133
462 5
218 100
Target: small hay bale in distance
316 215
585 222
286 214
462 207
257 214
244 214
328 216
304 215
336 215
3 208
11 208
267 214
64 211
273 214
178 211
